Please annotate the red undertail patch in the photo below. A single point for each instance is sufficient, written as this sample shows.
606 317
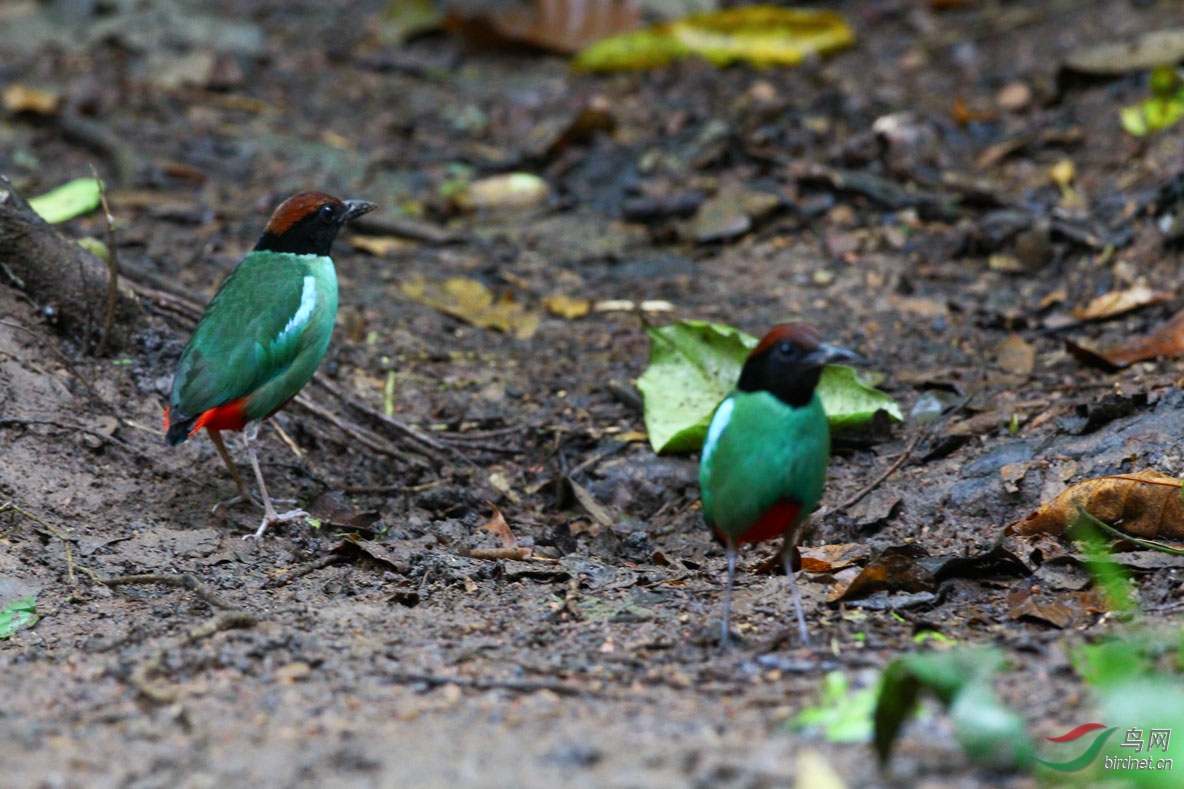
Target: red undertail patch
775 521
228 416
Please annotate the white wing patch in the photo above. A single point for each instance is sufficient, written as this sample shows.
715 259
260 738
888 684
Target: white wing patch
723 415
308 302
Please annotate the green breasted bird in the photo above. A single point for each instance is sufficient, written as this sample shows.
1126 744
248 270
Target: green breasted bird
263 334
764 460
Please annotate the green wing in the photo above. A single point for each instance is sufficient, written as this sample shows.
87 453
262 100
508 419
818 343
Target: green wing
262 336
767 452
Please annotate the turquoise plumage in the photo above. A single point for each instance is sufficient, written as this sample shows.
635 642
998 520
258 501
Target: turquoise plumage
763 465
263 335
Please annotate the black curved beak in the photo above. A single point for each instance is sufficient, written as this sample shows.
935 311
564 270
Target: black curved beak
826 353
355 208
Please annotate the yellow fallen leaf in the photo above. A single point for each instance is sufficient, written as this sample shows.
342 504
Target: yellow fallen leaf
18 97
762 35
473 303
567 307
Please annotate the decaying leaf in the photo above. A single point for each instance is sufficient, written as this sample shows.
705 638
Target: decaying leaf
389 554
1058 609
1145 505
589 503
472 302
498 526
762 35
1119 301
1166 341
510 548
832 558
894 570
1016 355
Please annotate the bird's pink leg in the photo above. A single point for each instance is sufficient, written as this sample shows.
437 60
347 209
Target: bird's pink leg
787 554
243 493
725 636
270 516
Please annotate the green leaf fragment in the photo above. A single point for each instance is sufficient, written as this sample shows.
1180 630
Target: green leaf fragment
695 364
78 197
18 615
844 714
849 403
1163 108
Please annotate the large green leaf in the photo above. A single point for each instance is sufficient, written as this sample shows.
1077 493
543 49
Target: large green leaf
849 403
695 364
17 615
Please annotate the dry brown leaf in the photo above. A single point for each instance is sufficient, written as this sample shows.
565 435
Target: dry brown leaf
891 571
472 302
830 558
1016 355
1166 341
497 524
1117 302
590 504
1051 609
1145 504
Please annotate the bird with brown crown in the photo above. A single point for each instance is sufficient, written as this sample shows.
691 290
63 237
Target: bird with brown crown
263 335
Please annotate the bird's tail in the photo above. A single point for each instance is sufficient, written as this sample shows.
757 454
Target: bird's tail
176 432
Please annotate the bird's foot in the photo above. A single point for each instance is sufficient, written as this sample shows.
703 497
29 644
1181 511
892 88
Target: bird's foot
239 499
273 517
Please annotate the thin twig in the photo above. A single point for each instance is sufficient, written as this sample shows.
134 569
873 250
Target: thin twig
875 483
184 581
306 569
365 437
112 267
476 683
10 505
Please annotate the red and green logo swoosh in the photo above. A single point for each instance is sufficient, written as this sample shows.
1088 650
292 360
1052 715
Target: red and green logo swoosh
1087 756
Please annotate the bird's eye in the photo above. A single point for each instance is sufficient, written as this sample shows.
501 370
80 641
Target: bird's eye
784 349
327 213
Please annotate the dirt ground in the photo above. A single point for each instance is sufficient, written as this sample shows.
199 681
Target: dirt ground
312 659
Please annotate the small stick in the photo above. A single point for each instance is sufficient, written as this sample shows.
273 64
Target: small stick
112 267
518 685
888 473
